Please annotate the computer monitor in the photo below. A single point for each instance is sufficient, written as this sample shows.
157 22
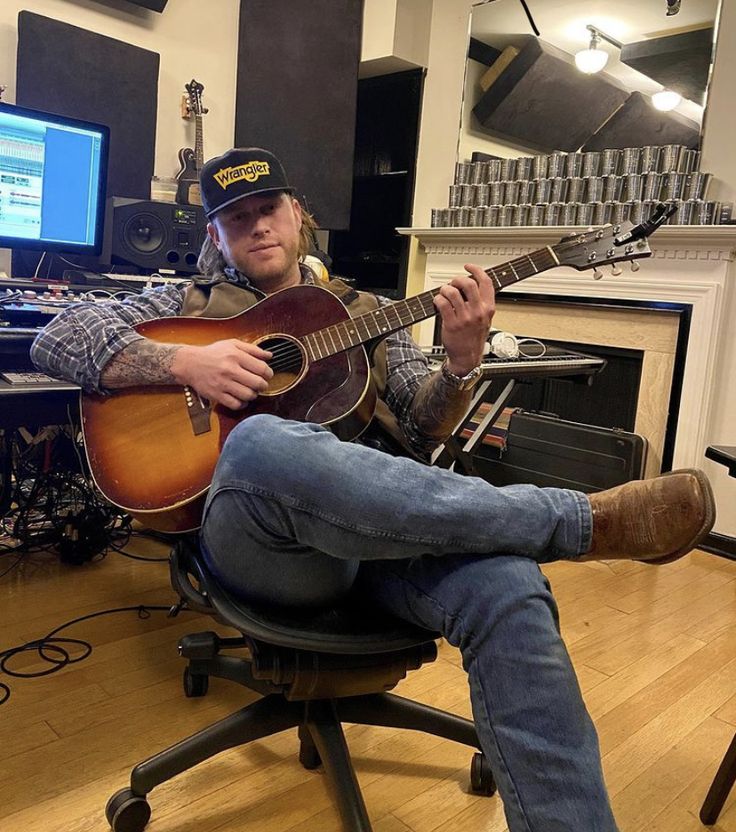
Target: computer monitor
53 172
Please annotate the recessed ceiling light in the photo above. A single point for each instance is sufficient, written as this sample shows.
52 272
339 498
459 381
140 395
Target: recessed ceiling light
666 100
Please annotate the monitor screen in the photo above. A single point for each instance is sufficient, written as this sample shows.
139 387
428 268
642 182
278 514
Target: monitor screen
52 181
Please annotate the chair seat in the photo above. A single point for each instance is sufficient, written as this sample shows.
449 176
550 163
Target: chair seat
353 627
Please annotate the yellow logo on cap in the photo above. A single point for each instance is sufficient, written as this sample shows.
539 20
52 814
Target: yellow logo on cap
250 172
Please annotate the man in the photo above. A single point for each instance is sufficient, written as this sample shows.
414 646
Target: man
295 516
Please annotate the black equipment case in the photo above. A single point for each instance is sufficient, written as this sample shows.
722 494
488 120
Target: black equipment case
544 450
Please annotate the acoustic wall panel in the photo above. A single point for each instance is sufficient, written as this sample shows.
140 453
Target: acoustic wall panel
296 95
75 72
542 100
638 123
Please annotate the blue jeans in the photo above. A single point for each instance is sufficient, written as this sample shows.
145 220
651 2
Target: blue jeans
296 517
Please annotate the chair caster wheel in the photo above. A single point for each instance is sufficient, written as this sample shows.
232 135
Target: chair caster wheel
195 684
481 776
127 812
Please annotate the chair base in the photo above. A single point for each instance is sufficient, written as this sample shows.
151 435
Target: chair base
321 741
720 787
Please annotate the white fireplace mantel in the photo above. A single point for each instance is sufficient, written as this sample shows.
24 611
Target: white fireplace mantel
689 265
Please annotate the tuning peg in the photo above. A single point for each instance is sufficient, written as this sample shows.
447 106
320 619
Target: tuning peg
597 274
615 270
635 266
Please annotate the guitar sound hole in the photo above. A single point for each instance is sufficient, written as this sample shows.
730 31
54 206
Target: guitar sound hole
287 362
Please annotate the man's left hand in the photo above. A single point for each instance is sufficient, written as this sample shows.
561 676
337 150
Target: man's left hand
466 305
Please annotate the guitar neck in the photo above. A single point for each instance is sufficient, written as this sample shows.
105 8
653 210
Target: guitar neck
383 321
199 143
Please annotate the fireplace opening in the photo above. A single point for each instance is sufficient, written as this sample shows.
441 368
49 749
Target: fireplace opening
609 399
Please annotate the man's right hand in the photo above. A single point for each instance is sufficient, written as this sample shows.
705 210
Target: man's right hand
231 373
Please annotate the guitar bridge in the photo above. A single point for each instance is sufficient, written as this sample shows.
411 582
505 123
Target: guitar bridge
198 410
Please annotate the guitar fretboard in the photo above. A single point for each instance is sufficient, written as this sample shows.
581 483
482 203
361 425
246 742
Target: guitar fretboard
199 143
387 319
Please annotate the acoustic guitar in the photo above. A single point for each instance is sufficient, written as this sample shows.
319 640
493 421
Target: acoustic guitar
191 161
152 450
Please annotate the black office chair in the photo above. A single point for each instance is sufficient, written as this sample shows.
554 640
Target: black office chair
315 670
726 774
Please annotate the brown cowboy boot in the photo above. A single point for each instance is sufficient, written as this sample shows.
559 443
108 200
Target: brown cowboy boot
657 520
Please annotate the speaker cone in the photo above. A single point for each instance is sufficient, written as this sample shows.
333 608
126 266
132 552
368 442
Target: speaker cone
144 233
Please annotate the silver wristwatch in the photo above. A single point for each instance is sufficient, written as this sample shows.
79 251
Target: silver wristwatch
466 382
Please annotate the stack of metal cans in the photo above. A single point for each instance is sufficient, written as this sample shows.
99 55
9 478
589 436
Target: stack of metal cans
584 188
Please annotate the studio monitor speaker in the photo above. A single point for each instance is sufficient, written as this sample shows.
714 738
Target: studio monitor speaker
154 235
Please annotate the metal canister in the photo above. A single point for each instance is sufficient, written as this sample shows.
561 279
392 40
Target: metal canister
609 162
510 193
630 161
704 212
539 167
495 193
527 189
633 187
555 165
456 196
673 185
593 189
454 217
440 217
684 213
552 213
467 195
494 170
652 185
520 215
462 173
475 217
573 165
536 215
478 172
696 185
508 169
669 157
569 213
542 190
490 216
558 191
688 161
591 163
636 210
462 218
621 211
584 214
505 212
524 167
575 188
612 187
482 193
601 213
649 158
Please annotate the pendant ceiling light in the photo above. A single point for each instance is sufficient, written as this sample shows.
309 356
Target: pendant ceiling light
592 59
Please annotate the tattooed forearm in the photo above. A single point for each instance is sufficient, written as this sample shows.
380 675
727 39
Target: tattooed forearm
142 362
438 406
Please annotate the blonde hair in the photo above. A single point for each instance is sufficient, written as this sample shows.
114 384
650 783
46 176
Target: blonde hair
211 262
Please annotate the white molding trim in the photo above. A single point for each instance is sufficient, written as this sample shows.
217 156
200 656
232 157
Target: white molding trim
690 265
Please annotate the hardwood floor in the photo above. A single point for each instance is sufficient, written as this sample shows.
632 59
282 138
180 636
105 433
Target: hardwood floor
655 651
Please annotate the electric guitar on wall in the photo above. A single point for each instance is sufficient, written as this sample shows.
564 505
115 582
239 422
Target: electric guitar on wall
191 161
152 450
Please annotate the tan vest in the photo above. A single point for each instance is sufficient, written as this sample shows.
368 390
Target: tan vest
222 299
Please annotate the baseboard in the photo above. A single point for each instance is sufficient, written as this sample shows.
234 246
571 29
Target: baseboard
722 545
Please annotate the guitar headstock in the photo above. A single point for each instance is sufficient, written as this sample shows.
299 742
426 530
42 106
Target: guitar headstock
193 99
610 243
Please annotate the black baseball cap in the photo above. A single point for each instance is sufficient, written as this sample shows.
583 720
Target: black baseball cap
242 171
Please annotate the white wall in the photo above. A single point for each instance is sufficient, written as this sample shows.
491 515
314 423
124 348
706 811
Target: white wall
194 39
